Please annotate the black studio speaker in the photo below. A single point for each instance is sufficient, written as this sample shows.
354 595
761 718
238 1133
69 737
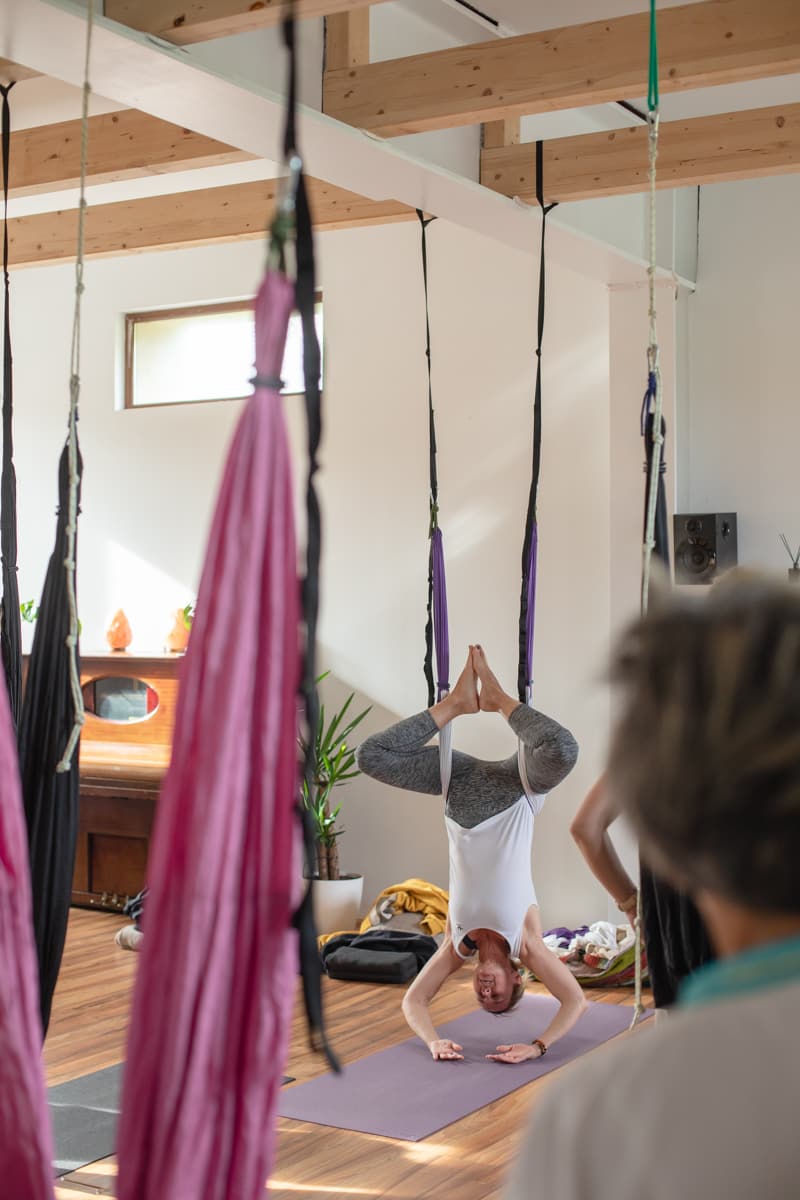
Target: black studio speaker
705 546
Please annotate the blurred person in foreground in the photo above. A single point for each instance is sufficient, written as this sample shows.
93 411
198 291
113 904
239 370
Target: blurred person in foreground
705 761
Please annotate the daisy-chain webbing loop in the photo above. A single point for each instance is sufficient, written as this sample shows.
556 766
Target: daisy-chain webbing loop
653 402
72 439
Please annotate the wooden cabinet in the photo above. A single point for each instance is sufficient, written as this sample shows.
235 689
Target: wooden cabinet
123 758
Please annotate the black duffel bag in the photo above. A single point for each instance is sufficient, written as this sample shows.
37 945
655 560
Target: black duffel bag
377 956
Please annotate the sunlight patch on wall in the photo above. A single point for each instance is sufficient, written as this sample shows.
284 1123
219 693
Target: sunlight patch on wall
147 595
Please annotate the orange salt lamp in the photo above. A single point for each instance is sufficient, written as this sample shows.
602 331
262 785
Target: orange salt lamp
178 637
118 634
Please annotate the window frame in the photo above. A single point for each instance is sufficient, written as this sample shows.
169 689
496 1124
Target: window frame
214 308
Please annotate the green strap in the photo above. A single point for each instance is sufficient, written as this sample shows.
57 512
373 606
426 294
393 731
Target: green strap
652 86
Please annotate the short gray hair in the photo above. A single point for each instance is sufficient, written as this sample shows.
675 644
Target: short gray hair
705 758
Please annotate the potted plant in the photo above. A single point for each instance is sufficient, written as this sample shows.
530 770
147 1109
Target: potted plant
337 897
177 639
29 611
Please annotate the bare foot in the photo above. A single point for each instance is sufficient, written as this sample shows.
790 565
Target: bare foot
492 697
465 692
462 699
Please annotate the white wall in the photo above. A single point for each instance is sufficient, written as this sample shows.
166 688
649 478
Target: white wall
150 479
741 417
483 328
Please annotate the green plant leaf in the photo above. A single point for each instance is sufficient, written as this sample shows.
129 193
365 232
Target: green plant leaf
28 611
334 763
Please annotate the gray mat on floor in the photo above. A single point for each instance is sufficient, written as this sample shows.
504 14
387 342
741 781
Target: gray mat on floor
402 1093
84 1113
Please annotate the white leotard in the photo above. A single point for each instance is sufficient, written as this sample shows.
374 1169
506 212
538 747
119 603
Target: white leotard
490 873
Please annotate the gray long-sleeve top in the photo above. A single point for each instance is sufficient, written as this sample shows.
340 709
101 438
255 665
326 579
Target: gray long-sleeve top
478 789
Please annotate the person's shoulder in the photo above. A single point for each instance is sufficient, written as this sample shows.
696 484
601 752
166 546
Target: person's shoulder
684 1074
683 1049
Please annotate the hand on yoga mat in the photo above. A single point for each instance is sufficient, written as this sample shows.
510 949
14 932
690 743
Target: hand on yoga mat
445 1050
517 1053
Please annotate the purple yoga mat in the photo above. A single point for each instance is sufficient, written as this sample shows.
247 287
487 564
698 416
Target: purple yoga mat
402 1093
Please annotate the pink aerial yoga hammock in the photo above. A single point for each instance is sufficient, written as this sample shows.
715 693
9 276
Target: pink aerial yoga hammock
26 1149
216 981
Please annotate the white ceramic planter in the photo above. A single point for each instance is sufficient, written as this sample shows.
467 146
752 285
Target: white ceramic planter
337 903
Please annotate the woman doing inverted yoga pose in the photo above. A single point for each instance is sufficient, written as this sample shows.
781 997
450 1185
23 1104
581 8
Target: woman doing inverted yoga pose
489 815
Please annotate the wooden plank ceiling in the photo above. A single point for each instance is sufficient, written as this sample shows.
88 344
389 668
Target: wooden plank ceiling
186 21
203 217
703 44
700 45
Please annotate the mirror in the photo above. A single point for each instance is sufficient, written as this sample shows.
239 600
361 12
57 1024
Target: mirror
120 699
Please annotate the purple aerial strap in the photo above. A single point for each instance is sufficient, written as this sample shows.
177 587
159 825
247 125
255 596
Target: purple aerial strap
527 607
436 627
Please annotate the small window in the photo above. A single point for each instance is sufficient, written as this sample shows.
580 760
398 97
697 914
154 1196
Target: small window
207 352
112 698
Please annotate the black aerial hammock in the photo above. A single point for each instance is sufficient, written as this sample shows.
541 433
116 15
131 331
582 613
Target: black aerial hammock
530 545
10 629
52 705
26 1144
437 635
48 716
674 935
299 216
436 627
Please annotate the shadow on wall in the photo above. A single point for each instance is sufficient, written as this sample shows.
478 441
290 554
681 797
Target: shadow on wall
389 834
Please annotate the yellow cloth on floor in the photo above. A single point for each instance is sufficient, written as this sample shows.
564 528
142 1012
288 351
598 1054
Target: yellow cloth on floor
417 896
413 895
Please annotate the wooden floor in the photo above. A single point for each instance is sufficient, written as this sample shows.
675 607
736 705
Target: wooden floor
467 1159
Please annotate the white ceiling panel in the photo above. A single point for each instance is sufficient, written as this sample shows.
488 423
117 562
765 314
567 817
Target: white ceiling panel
528 16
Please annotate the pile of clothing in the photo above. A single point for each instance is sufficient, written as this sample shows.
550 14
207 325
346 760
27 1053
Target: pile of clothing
396 938
600 955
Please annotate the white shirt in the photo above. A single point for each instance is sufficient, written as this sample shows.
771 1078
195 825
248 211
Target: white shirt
702 1107
490 873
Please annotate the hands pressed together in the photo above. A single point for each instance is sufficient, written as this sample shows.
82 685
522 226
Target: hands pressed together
443 1050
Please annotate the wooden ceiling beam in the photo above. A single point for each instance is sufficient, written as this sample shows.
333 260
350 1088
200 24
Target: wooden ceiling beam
718 149
11 72
347 39
200 218
122 145
700 45
187 21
